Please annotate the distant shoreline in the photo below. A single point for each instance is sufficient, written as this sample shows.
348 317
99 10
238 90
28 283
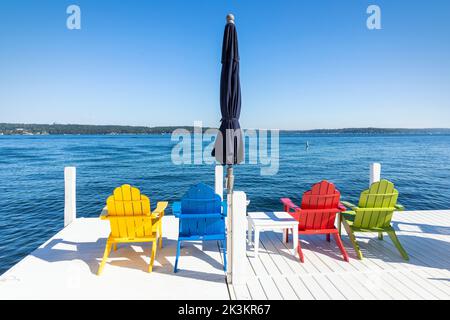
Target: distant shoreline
77 129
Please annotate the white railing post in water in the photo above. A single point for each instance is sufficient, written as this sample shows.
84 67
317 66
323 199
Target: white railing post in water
70 192
238 250
375 172
219 181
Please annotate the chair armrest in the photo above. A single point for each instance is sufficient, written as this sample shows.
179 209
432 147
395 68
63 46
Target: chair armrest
104 214
289 204
224 208
159 210
176 209
349 205
399 207
347 215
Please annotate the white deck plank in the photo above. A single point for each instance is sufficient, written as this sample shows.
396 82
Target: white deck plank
398 281
65 268
424 254
382 274
382 281
344 287
285 288
279 260
266 260
435 280
336 264
357 279
302 292
328 287
270 289
356 283
412 248
407 268
275 255
425 285
241 292
67 265
386 249
314 287
256 290
284 250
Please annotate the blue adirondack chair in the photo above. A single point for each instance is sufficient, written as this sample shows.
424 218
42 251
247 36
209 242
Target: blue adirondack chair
202 217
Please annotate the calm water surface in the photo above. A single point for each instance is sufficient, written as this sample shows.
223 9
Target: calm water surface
32 175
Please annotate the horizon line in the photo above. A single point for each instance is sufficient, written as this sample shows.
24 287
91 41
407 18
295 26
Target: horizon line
209 127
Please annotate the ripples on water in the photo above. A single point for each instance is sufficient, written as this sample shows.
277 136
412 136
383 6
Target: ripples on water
32 175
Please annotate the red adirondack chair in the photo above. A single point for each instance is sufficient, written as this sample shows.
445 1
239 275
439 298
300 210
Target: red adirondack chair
317 213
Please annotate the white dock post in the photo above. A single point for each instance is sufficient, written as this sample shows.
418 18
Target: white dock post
219 181
70 189
375 172
238 248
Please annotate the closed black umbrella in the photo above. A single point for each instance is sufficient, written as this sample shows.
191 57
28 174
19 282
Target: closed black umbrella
229 147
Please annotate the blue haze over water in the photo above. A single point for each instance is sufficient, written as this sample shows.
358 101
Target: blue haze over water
32 175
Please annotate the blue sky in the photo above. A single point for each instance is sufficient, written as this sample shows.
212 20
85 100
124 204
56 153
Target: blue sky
304 64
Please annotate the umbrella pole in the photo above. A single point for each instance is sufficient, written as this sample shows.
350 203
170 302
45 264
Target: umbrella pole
230 179
230 186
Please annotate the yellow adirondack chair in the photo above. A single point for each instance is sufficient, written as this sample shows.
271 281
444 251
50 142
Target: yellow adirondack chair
132 220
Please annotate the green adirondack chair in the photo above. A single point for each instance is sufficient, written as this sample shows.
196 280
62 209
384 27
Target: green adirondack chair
373 214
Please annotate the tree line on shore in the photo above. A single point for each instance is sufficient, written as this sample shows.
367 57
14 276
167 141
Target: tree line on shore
54 129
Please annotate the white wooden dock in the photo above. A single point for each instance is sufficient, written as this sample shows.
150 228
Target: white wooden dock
65 267
382 274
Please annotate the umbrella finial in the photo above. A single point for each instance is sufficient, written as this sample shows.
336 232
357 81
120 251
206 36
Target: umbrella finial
230 18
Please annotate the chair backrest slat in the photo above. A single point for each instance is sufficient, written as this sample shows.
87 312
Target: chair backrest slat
381 199
128 201
319 207
201 199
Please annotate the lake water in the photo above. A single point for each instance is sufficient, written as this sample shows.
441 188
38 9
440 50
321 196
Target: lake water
32 175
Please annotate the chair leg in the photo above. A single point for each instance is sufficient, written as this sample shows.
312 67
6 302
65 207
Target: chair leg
352 237
152 259
175 269
397 244
224 245
328 237
160 236
105 257
115 247
380 235
341 246
339 223
300 252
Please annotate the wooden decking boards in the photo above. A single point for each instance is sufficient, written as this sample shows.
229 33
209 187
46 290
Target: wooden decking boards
382 274
64 267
